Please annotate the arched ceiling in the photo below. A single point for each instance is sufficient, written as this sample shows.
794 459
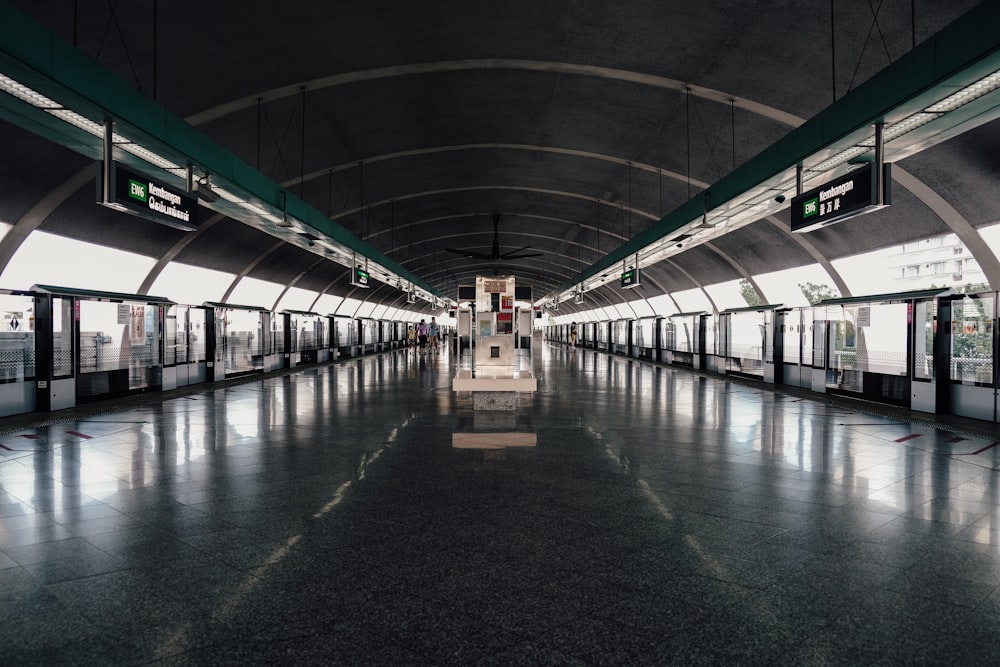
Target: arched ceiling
575 125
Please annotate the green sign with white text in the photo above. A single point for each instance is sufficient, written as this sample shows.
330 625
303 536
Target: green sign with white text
840 199
145 197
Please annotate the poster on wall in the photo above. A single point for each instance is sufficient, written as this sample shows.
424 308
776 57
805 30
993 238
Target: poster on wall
138 322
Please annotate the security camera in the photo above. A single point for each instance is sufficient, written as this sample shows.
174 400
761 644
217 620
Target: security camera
780 199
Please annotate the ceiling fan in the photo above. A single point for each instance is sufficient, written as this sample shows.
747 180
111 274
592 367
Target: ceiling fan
495 254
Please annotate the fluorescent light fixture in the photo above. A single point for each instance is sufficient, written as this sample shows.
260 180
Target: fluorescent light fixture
254 209
76 120
147 155
901 127
973 91
840 158
97 130
229 196
22 92
52 107
209 193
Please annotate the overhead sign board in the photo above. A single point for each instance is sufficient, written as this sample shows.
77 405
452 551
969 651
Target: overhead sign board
149 198
845 197
359 278
630 279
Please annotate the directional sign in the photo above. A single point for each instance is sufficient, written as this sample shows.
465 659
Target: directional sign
148 198
359 278
630 279
840 199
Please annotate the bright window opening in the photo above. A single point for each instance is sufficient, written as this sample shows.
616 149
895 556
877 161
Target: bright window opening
727 295
254 292
365 309
662 304
48 259
940 261
641 308
623 312
795 287
348 307
191 285
327 304
692 300
296 299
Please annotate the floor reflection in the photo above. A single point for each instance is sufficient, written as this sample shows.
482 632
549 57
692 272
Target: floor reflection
492 430
624 513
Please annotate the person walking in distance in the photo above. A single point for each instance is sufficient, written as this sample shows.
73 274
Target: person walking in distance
433 331
572 333
422 336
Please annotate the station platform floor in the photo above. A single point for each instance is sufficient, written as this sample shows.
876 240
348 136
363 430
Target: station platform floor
329 515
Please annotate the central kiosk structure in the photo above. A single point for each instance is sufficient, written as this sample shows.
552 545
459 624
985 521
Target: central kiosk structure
496 376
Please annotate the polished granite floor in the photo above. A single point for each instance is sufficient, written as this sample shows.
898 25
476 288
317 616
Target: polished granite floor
333 515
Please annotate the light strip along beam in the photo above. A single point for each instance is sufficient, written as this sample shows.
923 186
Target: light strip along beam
952 76
63 92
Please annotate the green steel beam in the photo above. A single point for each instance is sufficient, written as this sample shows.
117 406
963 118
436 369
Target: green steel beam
961 53
36 57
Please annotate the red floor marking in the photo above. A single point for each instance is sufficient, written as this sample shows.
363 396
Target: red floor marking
909 437
80 435
29 436
957 438
980 451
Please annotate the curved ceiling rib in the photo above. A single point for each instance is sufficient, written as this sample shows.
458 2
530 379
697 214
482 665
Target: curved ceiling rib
920 190
536 274
250 266
459 216
821 259
972 239
652 80
321 293
294 281
698 284
38 213
434 150
415 63
174 251
494 187
739 268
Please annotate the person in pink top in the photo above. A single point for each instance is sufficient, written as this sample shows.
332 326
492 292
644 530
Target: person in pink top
422 335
